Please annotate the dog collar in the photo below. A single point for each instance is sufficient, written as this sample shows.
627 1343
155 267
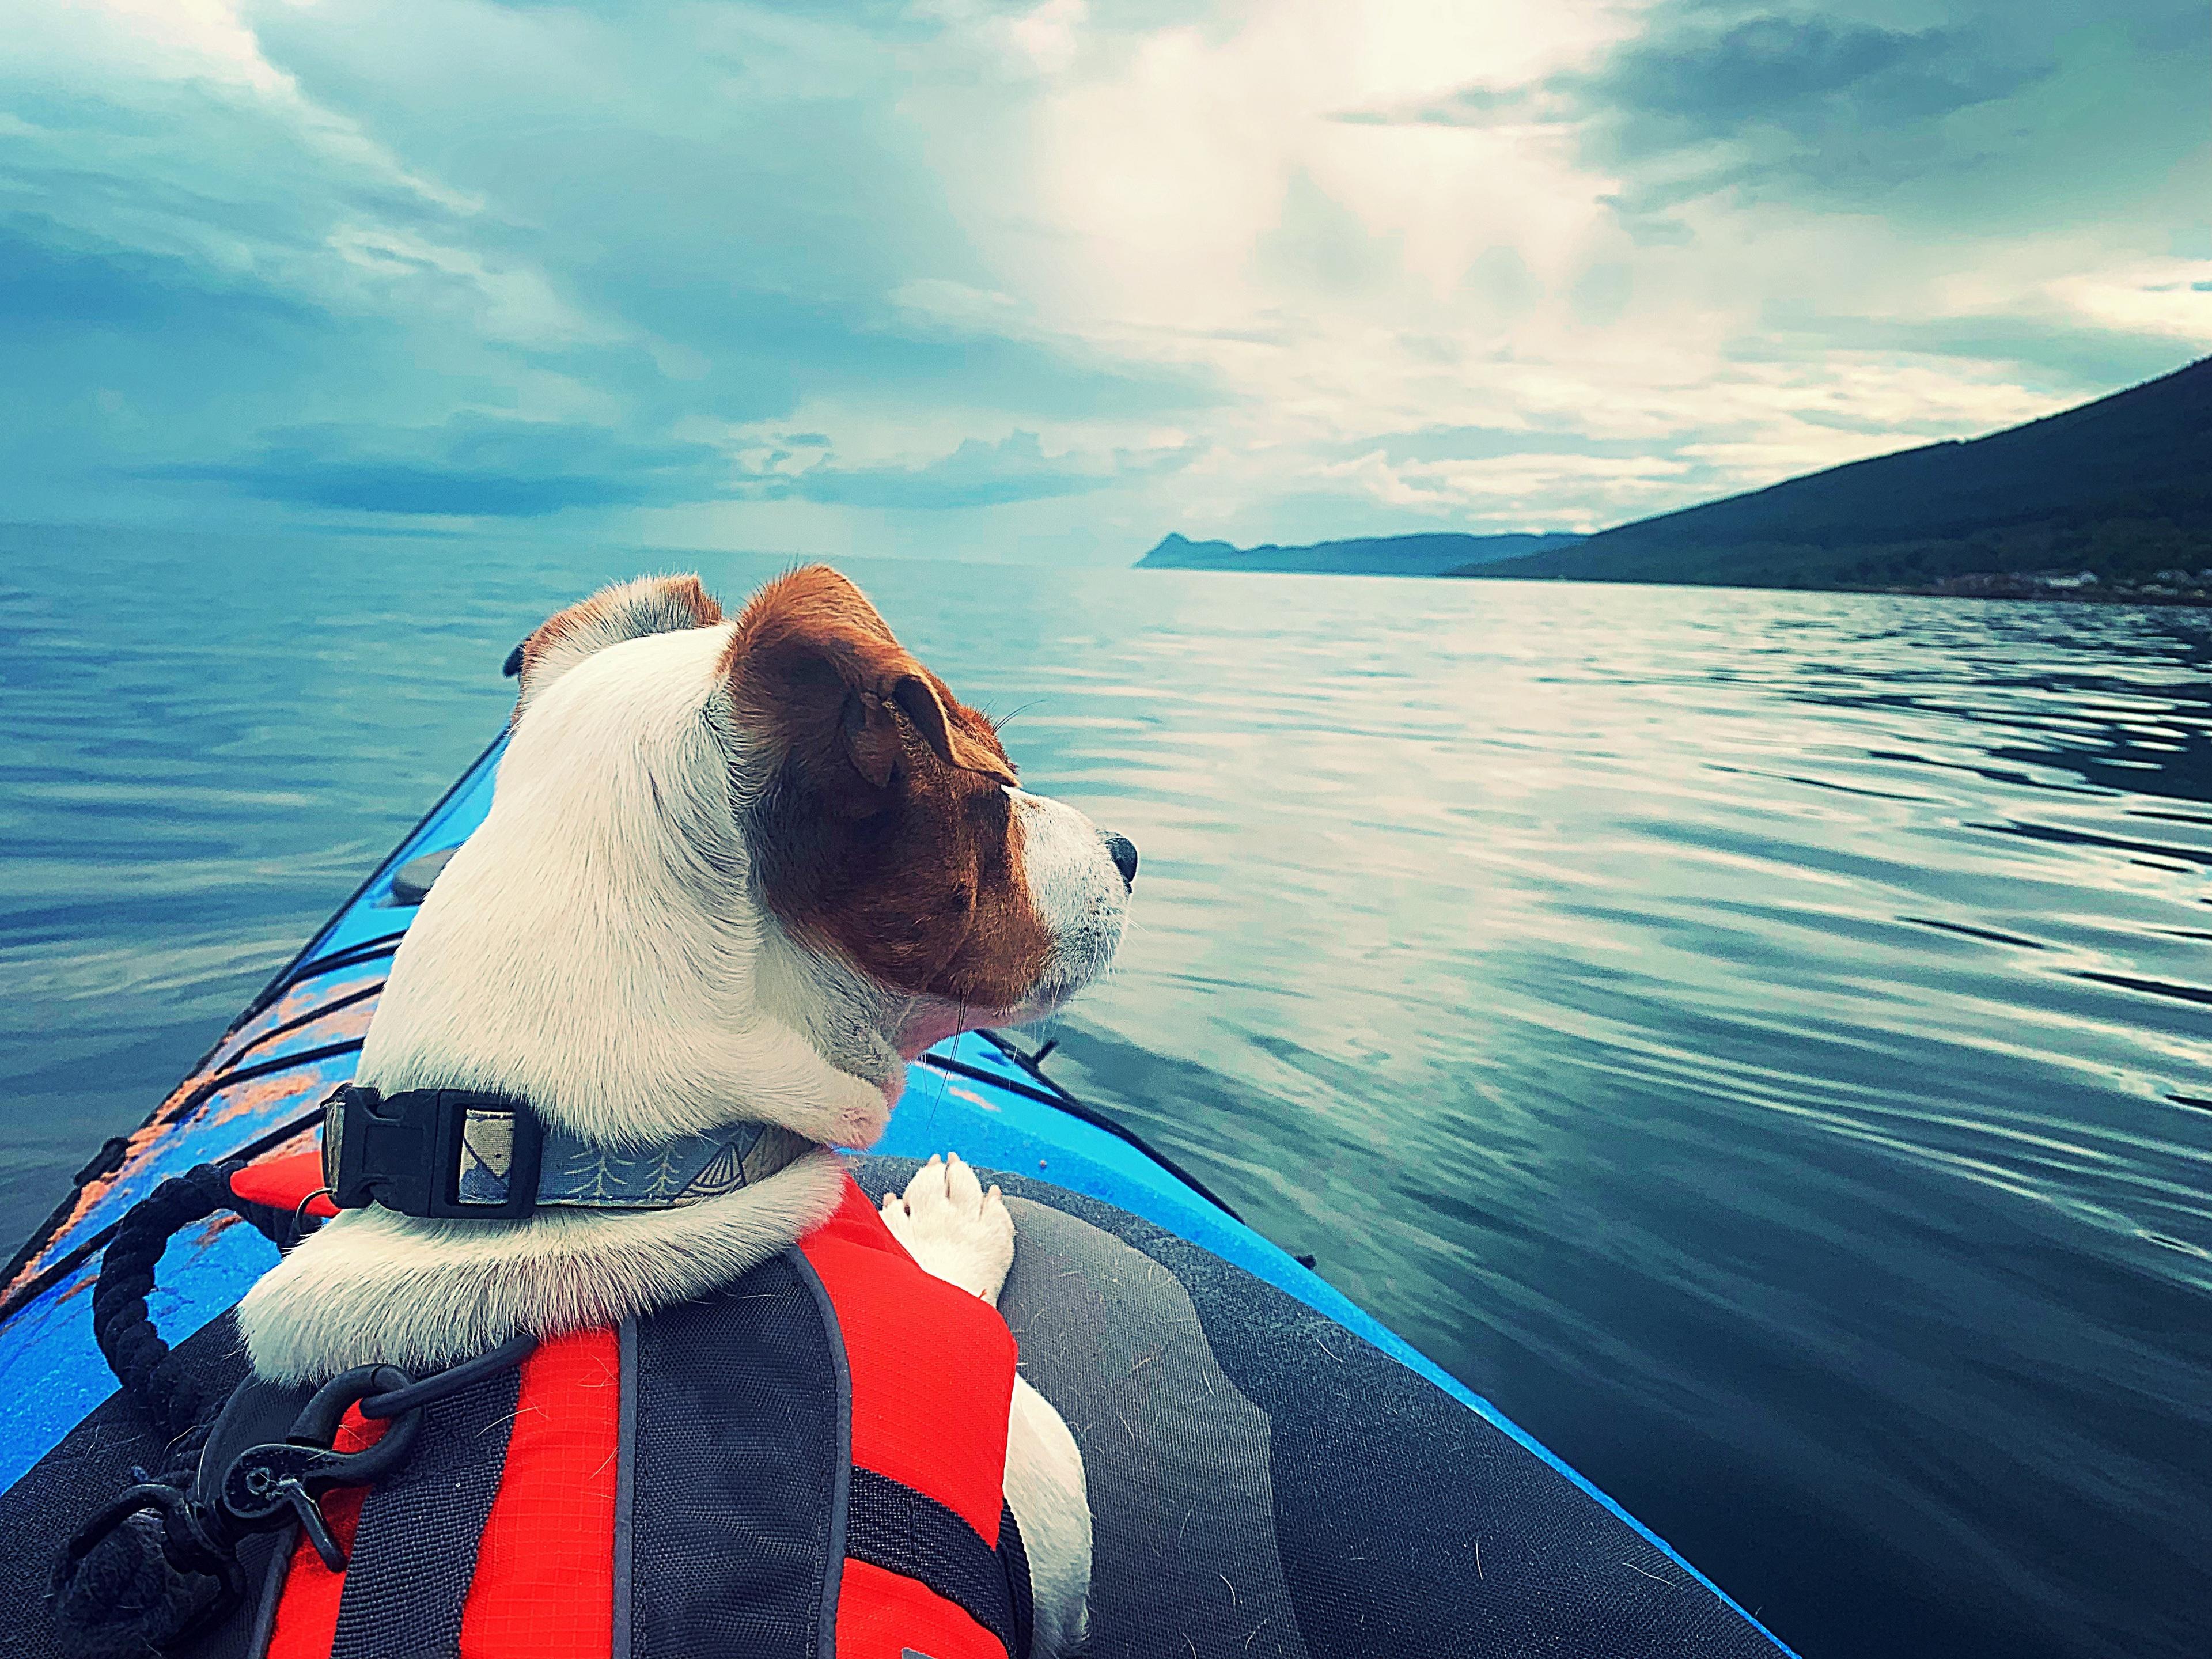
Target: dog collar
461 1153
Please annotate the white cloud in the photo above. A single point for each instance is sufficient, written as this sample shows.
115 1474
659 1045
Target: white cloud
1113 232
1190 199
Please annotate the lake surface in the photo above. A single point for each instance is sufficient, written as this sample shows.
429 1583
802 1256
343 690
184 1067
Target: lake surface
1760 1040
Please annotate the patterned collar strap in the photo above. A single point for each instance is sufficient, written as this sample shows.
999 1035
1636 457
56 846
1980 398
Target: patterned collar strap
459 1153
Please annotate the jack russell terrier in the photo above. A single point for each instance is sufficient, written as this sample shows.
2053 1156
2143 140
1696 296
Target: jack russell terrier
736 872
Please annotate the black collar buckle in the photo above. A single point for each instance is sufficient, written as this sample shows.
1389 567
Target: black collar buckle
446 1153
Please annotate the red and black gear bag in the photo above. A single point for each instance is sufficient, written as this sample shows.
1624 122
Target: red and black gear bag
809 1463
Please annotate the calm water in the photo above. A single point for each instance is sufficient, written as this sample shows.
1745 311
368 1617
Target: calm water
1760 1040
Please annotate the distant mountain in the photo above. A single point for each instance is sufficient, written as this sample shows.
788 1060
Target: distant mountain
1365 555
2120 488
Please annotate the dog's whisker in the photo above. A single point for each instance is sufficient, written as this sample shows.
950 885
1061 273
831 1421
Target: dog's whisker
998 725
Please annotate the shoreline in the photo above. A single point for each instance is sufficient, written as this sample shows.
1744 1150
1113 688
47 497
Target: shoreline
2197 599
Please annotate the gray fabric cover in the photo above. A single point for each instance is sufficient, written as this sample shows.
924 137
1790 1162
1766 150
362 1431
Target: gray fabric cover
1401 1522
1110 1337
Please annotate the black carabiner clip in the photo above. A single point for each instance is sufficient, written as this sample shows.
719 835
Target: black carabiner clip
267 1485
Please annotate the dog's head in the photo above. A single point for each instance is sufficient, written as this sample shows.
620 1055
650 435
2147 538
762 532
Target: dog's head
713 840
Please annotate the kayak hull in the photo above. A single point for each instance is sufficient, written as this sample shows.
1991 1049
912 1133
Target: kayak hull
1332 1402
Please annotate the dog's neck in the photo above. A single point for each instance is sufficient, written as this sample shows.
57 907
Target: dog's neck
601 953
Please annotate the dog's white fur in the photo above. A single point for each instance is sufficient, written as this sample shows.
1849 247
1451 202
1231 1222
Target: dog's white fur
597 947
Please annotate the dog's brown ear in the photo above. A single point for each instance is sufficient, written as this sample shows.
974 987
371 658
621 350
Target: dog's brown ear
627 611
816 670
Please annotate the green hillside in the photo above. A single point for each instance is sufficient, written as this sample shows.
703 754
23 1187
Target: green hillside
2121 488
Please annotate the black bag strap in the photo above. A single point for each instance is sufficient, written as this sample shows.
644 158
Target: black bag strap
415 1548
1014 1557
889 1525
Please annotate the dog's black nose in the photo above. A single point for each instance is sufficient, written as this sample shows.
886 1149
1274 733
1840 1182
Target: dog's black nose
1124 852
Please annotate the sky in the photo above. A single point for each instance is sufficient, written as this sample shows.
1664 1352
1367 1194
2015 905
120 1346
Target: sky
965 279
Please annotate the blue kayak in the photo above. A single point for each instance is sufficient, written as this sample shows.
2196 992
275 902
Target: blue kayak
1272 1471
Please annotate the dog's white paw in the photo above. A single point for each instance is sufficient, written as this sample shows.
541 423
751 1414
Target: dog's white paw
953 1227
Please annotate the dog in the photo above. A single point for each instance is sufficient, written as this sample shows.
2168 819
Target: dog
735 871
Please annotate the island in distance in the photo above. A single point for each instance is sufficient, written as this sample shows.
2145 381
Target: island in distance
2110 499
1430 554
